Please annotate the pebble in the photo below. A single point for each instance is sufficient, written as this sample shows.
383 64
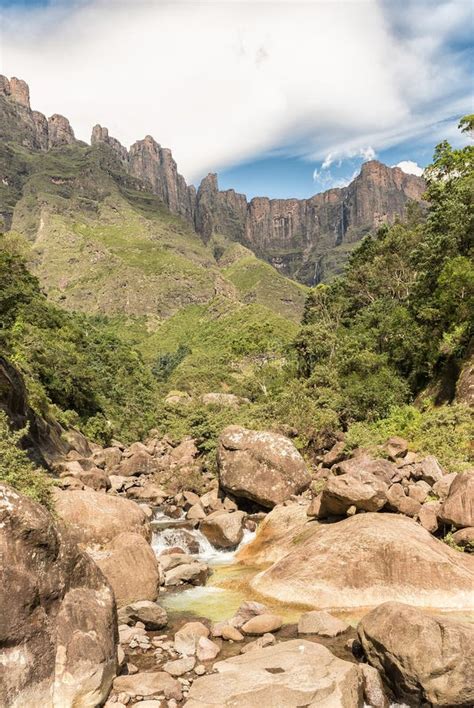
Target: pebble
200 670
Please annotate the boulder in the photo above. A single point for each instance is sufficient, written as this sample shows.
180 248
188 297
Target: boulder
224 529
261 466
465 539
382 469
398 501
58 631
262 624
458 508
336 454
138 463
374 690
194 573
187 638
149 613
130 566
178 667
196 513
428 516
321 623
423 658
396 448
206 649
247 611
274 537
442 487
149 492
150 683
429 470
93 517
361 489
361 561
293 673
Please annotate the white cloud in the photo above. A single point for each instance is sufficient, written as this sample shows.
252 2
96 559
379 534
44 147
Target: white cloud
410 167
220 82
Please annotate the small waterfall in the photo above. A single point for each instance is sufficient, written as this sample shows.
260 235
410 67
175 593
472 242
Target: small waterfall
170 533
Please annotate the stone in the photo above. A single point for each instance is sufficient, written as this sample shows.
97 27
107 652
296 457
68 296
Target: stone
417 493
149 684
384 470
423 658
398 501
274 537
149 492
458 508
196 513
429 470
138 463
186 639
131 567
442 487
224 529
169 561
207 649
321 623
361 489
93 517
178 667
396 448
194 573
336 454
361 562
230 633
374 690
58 628
152 615
464 538
246 611
428 516
261 466
265 640
261 624
293 673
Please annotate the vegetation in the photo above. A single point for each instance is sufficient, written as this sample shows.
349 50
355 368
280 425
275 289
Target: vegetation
17 470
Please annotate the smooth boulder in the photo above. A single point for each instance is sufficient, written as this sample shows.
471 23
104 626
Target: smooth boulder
224 529
94 517
368 559
131 567
293 673
458 508
422 657
361 489
58 631
261 466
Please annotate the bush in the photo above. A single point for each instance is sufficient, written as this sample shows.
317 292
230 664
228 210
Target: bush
445 432
17 470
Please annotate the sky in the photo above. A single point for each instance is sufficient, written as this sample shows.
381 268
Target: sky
280 97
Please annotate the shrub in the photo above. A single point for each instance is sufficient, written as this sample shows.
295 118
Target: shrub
17 470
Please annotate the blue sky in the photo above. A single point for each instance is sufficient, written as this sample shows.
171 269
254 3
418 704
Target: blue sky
280 97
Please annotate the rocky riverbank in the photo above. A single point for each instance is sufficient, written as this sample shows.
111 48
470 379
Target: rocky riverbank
102 594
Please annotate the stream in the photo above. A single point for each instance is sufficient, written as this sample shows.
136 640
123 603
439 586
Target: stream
228 585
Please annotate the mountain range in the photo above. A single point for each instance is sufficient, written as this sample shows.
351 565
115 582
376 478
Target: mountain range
305 239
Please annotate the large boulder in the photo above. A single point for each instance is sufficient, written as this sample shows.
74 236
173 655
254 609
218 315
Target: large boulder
274 537
293 673
382 469
458 509
94 517
260 466
368 559
223 529
423 658
58 632
130 565
361 489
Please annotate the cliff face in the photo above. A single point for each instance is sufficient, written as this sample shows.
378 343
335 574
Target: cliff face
306 239
295 235
30 128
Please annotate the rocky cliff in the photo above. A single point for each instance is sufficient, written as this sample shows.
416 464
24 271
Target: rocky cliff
306 239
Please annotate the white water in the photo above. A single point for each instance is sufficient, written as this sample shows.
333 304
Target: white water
174 535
